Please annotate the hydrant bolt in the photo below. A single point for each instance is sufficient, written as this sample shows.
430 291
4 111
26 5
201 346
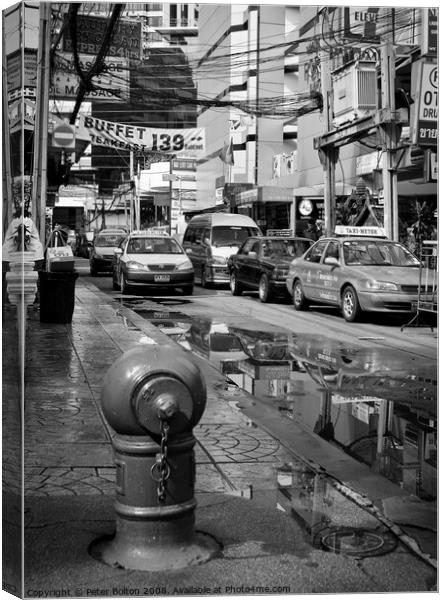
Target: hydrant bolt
166 407
163 398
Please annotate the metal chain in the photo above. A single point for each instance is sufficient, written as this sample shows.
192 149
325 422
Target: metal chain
160 471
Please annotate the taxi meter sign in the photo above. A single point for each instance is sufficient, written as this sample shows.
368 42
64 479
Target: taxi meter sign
63 136
426 119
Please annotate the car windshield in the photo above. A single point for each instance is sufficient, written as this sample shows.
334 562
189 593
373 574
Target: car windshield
108 241
230 235
378 253
285 248
153 245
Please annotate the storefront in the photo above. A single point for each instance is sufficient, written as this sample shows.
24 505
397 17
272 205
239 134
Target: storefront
309 208
270 207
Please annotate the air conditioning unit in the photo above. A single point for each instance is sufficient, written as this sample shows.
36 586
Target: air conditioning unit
355 91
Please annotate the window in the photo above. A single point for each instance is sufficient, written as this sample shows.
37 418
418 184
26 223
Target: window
247 247
378 253
184 14
315 253
184 164
226 235
332 251
193 235
155 21
144 245
256 247
198 234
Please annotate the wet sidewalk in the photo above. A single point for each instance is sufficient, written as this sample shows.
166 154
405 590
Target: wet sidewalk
275 516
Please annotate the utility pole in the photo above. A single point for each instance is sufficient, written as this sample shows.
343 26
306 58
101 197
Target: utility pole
329 155
40 156
133 190
6 139
388 130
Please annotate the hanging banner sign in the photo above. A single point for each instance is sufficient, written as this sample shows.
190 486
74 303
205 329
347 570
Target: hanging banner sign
21 71
143 139
126 40
429 37
111 85
425 125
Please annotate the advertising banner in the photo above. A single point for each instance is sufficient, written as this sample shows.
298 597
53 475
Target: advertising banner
429 37
112 85
143 139
425 124
126 40
20 73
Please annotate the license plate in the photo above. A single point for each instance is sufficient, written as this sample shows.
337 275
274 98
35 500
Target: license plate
161 277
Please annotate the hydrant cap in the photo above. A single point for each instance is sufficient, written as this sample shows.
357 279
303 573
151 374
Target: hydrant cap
148 383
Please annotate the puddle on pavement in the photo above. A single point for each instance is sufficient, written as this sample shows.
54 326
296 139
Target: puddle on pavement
332 522
376 404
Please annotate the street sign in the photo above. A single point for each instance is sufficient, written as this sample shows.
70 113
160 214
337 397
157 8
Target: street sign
425 124
63 136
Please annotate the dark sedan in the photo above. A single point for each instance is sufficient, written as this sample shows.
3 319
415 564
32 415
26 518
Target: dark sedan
262 264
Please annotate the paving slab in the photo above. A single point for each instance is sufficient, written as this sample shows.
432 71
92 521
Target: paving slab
244 501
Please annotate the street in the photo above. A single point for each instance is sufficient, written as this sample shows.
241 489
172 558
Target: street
290 445
283 357
381 330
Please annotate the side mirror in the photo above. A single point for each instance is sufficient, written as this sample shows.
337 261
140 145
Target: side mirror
118 251
188 251
334 262
252 254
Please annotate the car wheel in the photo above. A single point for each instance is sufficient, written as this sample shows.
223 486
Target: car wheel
235 287
203 277
115 282
124 288
299 299
187 290
350 307
264 289
93 270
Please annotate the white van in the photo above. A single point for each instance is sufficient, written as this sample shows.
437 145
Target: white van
211 238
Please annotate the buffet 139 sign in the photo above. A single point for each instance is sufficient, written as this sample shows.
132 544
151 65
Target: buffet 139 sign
143 139
425 124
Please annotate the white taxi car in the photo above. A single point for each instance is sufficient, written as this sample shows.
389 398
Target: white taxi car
151 259
360 272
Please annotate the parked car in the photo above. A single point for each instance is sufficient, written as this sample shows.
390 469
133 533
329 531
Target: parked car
102 253
356 274
262 264
151 258
209 240
84 244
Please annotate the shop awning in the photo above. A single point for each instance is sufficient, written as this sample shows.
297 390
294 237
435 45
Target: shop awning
69 203
317 191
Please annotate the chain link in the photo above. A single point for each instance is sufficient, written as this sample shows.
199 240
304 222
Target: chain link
160 471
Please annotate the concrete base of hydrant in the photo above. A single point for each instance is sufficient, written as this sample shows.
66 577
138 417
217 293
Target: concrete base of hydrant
159 547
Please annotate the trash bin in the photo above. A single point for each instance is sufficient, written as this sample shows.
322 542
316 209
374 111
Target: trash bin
57 296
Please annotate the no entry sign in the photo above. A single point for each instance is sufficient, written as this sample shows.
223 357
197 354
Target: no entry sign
63 136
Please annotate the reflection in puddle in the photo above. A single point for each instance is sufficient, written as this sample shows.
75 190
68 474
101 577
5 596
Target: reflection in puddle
332 521
378 405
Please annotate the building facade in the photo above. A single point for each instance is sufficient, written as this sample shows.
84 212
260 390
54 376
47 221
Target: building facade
380 168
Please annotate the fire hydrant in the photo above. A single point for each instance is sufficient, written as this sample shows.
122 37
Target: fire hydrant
152 397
